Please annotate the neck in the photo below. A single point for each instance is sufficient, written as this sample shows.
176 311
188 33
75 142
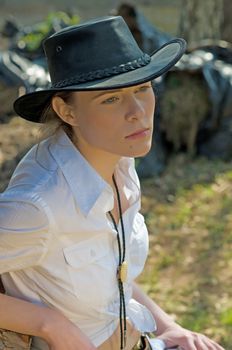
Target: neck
104 165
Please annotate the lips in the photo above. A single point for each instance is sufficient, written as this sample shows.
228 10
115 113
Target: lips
138 133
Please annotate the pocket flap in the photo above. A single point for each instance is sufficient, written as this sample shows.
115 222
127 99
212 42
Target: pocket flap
86 252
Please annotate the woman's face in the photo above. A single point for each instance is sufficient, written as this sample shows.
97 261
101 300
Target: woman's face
119 121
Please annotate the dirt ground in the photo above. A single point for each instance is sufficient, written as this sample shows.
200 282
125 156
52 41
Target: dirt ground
15 139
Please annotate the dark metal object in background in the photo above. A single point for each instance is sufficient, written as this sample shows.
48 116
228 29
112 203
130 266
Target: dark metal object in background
17 76
208 132
22 63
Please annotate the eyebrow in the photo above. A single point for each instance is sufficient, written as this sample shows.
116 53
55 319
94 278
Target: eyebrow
105 92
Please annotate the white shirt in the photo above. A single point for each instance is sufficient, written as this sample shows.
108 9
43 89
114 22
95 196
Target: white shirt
58 246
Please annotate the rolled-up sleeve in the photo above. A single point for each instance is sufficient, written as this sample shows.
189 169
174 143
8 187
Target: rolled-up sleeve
24 234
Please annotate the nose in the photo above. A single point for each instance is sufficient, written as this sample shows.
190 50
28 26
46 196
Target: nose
135 109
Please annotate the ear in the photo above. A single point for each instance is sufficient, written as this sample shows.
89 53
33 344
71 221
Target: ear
64 111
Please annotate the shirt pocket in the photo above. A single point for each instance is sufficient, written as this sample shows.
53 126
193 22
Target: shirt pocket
92 269
138 247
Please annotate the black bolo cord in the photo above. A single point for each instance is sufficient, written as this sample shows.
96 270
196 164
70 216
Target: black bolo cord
121 265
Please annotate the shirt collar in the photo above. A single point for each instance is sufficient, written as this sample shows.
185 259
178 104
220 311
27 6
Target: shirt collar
85 182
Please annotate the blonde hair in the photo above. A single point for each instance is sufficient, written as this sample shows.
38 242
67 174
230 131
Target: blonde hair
51 122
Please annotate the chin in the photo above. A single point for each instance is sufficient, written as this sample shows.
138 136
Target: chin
143 154
138 153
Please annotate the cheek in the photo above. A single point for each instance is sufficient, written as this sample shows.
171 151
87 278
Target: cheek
151 103
97 131
150 108
98 136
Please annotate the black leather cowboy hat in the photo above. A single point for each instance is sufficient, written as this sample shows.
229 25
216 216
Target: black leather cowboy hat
99 54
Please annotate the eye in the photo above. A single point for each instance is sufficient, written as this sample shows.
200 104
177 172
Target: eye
143 88
110 100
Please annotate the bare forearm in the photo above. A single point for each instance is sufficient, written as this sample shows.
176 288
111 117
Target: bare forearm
163 320
24 317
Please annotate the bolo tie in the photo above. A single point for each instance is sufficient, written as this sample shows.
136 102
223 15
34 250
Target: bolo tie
121 270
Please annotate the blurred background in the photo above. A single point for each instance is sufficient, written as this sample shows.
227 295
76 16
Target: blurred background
36 11
187 176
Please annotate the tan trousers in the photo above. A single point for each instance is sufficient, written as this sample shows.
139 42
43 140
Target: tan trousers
113 343
18 341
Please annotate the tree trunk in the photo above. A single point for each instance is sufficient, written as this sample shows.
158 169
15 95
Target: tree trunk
201 20
227 24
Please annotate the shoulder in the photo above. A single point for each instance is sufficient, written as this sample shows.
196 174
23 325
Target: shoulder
37 176
35 168
21 211
25 233
37 190
22 204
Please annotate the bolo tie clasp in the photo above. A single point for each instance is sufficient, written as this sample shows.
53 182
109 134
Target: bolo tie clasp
123 271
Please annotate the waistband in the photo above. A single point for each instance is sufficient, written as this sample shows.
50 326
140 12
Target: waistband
145 342
148 343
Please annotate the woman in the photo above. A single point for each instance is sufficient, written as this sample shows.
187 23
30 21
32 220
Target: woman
72 240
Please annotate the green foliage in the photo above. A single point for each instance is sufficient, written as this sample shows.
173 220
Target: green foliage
32 40
196 319
226 317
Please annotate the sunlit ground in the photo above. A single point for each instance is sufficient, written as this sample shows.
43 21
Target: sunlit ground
189 271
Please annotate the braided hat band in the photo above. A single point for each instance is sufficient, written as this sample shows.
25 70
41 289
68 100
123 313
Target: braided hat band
104 73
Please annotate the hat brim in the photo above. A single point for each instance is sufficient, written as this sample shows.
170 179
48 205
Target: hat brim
32 105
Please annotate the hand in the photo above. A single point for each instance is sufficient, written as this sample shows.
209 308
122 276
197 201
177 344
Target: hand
187 340
62 334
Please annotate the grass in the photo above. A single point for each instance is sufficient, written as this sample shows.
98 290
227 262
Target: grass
189 215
